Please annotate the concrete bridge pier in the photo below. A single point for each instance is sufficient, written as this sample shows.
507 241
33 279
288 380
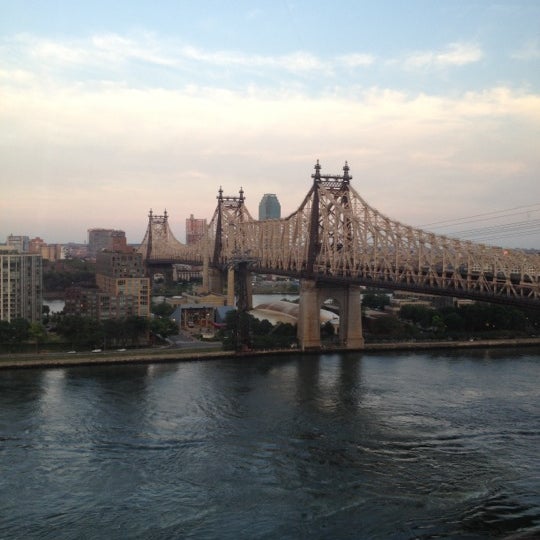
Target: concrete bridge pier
312 296
230 286
213 281
351 327
309 326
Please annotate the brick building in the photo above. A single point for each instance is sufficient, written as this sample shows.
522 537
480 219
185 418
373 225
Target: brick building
123 290
100 239
195 230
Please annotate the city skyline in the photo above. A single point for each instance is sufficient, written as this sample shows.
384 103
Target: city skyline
109 111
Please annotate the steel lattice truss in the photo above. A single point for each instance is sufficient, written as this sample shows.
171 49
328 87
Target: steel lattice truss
336 236
160 245
225 234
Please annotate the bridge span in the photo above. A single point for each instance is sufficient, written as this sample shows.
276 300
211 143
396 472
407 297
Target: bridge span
335 243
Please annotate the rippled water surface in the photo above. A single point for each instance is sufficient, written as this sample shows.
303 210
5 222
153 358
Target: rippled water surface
414 445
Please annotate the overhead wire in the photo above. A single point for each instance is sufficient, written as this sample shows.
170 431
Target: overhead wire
512 229
497 214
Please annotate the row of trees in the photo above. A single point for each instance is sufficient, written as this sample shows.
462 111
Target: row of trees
130 331
84 332
463 322
92 333
469 318
257 334
57 277
20 331
413 322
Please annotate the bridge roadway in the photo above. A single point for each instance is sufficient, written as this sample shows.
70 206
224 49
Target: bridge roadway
334 243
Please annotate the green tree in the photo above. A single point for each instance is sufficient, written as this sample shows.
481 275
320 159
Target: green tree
38 334
163 327
374 300
163 309
418 314
71 327
437 323
387 326
327 330
113 333
453 320
20 330
81 331
136 327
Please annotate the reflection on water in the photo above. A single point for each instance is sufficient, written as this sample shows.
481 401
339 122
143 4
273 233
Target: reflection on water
415 445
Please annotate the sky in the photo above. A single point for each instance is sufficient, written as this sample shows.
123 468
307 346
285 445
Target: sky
110 109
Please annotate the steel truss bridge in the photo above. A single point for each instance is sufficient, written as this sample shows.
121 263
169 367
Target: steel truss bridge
336 237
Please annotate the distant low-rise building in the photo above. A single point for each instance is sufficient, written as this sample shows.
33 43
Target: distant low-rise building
48 252
185 272
19 243
110 239
52 252
196 310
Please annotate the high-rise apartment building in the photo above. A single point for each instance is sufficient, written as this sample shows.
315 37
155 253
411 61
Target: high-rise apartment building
195 229
21 286
269 207
100 239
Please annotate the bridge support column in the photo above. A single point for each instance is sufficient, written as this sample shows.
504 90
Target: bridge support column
312 296
212 280
309 325
205 276
350 320
230 287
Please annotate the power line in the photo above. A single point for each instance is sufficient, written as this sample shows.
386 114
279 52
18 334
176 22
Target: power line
496 229
499 237
497 214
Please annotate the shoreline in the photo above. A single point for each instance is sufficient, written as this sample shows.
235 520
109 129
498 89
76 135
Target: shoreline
151 356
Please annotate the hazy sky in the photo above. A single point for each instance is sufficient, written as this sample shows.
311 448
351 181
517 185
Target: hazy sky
108 109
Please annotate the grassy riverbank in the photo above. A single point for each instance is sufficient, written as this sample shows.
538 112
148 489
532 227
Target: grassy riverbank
163 355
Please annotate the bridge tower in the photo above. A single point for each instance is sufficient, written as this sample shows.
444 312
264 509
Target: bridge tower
159 246
229 215
330 211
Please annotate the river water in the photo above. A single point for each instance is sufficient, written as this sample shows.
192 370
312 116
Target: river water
387 445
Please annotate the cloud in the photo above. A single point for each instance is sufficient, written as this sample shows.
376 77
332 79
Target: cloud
159 147
530 50
356 60
291 62
455 54
106 51
104 151
97 50
113 46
